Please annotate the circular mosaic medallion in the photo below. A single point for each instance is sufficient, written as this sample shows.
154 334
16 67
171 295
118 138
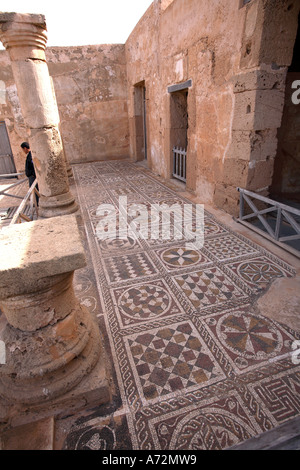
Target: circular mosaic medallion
103 210
89 302
180 257
115 244
259 271
82 283
211 227
249 336
144 302
212 430
97 438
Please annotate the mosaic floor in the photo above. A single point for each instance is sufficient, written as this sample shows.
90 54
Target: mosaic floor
194 365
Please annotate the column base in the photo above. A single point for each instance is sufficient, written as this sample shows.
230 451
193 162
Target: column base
83 382
52 361
53 206
93 390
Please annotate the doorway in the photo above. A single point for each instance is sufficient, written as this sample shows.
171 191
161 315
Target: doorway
140 118
179 133
7 164
286 177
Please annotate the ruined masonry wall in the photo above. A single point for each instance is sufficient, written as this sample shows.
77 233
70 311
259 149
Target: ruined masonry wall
236 56
90 88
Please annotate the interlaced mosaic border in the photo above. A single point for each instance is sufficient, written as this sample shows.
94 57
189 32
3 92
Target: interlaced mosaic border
156 312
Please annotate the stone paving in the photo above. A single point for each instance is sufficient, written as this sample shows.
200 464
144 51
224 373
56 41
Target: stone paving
193 364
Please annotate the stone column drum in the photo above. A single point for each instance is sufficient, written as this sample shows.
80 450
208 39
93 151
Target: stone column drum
51 341
24 37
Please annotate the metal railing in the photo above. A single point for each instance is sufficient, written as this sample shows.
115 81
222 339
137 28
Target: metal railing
179 164
4 192
11 175
19 214
277 221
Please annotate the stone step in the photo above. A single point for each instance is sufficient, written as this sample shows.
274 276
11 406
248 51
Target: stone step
38 435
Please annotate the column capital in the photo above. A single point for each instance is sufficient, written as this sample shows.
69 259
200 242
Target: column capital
23 35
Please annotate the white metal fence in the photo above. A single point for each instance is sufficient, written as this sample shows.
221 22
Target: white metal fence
179 164
274 220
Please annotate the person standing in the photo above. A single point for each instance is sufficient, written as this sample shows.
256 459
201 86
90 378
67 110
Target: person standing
29 166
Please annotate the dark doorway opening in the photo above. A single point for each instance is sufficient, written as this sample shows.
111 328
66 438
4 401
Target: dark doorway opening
286 177
140 117
179 133
285 187
7 164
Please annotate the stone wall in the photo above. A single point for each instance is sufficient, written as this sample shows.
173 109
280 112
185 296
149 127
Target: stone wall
90 88
236 57
267 50
10 110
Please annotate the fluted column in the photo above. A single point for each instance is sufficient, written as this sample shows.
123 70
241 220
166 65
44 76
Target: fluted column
24 37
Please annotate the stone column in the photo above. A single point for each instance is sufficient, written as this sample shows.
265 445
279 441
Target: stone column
24 37
51 341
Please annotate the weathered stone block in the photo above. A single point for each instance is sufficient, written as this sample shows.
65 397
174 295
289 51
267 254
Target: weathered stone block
235 172
38 435
51 340
35 251
258 110
260 175
227 198
268 109
259 80
263 144
240 147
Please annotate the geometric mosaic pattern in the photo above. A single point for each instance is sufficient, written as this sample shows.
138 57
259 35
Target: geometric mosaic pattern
215 426
281 396
181 257
194 366
228 247
144 302
133 266
171 359
249 339
207 287
258 272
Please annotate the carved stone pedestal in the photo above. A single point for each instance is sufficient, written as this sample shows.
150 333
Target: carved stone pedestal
52 343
